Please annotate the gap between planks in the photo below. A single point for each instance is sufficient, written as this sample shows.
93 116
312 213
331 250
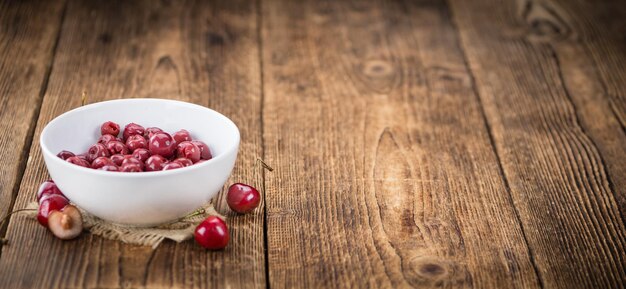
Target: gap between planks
259 26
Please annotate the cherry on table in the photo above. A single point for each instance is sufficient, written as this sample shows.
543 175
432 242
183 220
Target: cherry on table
49 204
66 224
48 188
242 198
212 233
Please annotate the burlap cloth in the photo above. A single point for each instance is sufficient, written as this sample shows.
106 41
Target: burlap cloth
178 231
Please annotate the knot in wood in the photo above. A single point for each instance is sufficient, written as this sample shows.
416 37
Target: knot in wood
429 268
377 68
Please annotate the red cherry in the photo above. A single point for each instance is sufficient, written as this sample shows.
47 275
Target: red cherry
96 151
155 163
104 139
47 188
181 136
150 131
64 155
162 144
78 161
133 129
111 128
136 142
205 152
110 168
117 159
188 150
131 168
130 160
183 161
101 162
212 233
49 204
82 157
173 166
117 147
242 198
141 154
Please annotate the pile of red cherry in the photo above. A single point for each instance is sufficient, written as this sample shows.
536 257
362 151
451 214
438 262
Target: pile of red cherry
140 150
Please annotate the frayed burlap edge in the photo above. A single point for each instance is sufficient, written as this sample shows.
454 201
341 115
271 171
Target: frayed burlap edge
178 231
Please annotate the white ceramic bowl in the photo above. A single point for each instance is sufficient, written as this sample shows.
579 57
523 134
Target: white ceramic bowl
145 198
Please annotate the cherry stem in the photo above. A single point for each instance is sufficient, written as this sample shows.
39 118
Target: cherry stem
11 213
258 175
4 241
195 213
264 165
83 99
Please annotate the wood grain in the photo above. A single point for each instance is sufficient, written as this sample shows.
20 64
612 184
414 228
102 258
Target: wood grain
28 33
599 28
386 176
196 51
545 112
591 59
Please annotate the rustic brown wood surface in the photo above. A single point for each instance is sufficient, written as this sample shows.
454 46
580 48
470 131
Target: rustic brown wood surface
415 144
556 173
26 53
193 51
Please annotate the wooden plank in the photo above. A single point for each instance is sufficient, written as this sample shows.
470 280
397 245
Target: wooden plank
598 28
196 51
28 33
592 62
544 126
385 175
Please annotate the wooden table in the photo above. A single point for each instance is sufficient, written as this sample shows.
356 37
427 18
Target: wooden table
415 144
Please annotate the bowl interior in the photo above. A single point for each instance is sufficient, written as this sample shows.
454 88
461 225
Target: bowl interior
78 129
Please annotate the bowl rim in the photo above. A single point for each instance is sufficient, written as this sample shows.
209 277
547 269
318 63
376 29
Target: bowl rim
46 151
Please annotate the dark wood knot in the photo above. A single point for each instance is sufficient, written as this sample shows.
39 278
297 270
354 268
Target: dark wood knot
215 39
105 38
431 270
545 22
377 68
